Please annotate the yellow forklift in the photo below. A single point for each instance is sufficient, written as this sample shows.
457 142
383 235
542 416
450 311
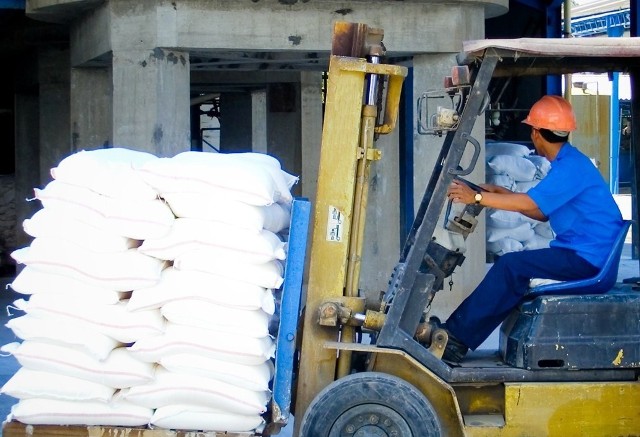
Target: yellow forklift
569 357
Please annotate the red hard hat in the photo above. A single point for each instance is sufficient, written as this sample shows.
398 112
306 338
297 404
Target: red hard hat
553 113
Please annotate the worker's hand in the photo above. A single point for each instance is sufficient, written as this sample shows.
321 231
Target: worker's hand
459 192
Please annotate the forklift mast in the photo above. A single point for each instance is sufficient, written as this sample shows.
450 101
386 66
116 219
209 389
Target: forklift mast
355 80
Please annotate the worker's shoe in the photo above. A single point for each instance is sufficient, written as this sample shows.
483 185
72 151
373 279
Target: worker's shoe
455 350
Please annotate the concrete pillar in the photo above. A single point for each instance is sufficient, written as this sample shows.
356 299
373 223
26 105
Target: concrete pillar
259 121
283 124
429 72
27 158
236 123
55 135
91 108
310 131
151 101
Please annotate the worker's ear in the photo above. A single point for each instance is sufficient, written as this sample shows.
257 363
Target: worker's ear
535 132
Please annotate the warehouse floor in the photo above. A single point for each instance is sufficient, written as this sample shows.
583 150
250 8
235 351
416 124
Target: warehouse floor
629 268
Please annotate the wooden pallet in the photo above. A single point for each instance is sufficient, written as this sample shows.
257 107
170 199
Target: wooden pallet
17 429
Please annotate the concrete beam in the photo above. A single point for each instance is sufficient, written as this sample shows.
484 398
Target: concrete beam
58 11
411 27
90 38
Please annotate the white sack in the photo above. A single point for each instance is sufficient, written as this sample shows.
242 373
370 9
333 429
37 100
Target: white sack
214 174
493 148
536 242
136 219
187 340
219 239
110 172
205 315
121 271
498 218
283 180
30 280
114 321
252 377
504 245
542 165
543 229
272 217
267 275
63 332
520 169
59 412
525 186
521 232
188 284
195 417
169 388
52 223
502 180
119 370
27 383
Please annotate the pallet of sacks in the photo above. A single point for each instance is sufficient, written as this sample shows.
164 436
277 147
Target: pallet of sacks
148 292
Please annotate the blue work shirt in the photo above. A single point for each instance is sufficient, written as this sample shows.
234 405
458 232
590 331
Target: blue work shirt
581 210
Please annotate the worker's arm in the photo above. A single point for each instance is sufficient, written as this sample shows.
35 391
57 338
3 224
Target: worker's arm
496 197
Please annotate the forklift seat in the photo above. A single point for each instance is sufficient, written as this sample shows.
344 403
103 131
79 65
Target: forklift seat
602 282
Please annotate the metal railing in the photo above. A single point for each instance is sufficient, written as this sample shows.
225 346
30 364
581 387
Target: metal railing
597 24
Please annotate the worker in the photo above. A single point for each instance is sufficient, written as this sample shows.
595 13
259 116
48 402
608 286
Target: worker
576 201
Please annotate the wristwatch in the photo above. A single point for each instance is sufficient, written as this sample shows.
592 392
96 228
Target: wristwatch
478 198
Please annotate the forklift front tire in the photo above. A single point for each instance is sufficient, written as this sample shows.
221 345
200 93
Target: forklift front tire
370 403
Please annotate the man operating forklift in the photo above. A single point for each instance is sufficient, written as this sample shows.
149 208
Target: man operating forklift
576 201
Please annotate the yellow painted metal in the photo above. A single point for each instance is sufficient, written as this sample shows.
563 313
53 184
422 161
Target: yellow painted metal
335 206
394 89
360 202
332 222
369 114
561 409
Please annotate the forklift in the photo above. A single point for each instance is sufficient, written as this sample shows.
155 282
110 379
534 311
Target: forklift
569 357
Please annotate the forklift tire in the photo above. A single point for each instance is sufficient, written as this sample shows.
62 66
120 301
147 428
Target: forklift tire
370 404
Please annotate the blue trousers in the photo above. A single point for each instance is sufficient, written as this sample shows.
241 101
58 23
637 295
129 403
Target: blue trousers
505 284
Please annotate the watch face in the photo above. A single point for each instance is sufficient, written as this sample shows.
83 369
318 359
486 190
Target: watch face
478 197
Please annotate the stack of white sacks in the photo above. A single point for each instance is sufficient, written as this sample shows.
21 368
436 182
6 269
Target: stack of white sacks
149 285
513 166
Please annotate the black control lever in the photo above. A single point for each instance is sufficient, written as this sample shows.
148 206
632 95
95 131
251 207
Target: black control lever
465 222
470 184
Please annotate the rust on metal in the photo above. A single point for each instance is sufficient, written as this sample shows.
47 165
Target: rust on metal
356 40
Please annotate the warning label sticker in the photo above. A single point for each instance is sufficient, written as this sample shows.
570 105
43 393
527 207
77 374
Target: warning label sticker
335 224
